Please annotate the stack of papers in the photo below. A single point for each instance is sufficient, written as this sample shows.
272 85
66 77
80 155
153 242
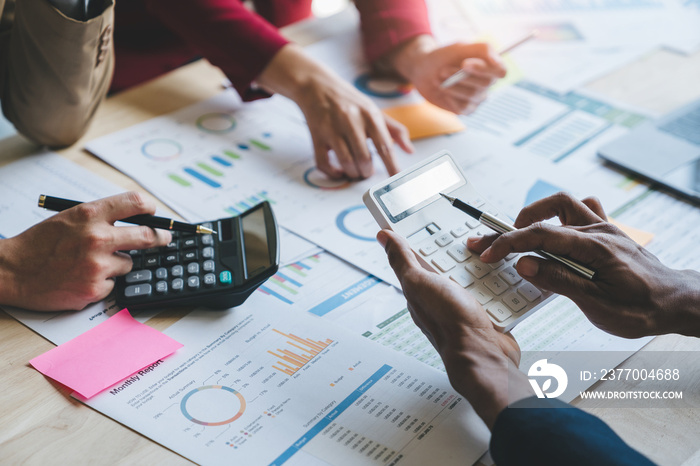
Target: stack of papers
298 374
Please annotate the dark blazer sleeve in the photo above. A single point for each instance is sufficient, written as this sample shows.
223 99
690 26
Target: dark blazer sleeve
549 432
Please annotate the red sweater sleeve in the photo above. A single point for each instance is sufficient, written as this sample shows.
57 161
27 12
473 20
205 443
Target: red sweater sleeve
230 36
388 23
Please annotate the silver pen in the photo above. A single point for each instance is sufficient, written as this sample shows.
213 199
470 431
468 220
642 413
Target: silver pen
499 226
461 74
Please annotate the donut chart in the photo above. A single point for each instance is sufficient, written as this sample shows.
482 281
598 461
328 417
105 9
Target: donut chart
216 123
381 87
316 179
213 405
161 150
356 222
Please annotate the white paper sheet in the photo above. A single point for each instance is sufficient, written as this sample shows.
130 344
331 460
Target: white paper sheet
225 397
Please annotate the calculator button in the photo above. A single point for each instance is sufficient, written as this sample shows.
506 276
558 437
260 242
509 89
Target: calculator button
459 253
193 268
443 240
428 249
477 268
444 263
510 275
511 256
189 243
193 282
152 261
481 294
498 311
483 231
177 271
161 273
208 240
529 292
208 253
161 287
225 277
139 276
178 284
132 291
210 279
171 258
462 278
495 284
495 265
460 231
173 245
476 201
208 266
190 255
514 301
152 251
472 223
134 252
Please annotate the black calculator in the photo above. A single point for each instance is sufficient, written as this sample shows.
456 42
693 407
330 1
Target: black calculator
217 271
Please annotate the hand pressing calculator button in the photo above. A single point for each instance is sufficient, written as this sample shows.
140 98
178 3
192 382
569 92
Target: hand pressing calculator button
214 270
410 204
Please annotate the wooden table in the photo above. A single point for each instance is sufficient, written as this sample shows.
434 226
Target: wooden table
39 422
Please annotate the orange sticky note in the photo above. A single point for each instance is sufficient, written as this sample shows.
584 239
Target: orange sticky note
640 237
105 355
424 120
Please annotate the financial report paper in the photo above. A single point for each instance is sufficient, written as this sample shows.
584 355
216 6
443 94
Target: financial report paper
262 385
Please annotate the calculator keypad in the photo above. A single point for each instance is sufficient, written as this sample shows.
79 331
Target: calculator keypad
186 264
497 286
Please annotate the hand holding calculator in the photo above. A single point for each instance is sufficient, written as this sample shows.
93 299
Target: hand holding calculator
410 204
213 270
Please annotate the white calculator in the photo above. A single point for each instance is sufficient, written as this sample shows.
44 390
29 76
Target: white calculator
410 204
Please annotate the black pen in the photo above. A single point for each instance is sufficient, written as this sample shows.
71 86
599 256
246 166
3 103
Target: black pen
58 205
499 226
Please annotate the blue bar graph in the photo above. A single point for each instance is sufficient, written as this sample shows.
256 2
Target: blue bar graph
202 178
290 280
221 161
268 291
247 203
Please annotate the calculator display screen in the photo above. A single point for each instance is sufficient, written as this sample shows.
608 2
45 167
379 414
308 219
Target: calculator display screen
407 193
257 255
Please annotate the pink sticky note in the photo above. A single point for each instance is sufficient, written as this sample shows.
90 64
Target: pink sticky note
105 355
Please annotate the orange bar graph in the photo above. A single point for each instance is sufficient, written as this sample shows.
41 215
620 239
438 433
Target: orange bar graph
289 360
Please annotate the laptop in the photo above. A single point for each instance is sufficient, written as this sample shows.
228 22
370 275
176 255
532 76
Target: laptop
666 151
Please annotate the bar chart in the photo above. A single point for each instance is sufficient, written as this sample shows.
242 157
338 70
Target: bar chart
285 284
251 201
300 351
